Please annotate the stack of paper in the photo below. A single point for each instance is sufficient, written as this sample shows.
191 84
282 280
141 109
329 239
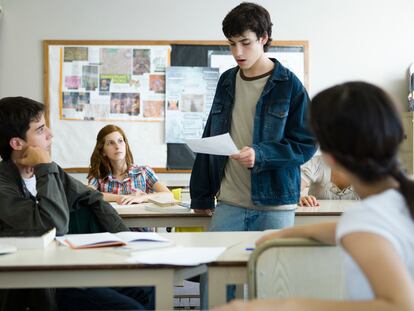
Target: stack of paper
179 256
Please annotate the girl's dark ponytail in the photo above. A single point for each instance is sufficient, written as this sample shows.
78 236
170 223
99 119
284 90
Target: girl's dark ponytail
406 188
358 124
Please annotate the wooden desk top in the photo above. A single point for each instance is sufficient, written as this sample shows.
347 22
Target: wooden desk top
57 258
326 208
138 210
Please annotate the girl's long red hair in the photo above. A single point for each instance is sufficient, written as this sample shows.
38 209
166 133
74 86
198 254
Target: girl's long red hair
100 166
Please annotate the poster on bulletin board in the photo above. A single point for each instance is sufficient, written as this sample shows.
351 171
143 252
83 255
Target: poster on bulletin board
113 83
89 84
189 98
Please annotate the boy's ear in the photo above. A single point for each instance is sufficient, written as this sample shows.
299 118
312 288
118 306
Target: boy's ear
16 143
264 38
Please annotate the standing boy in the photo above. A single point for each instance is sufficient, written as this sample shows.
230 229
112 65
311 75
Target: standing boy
263 106
35 193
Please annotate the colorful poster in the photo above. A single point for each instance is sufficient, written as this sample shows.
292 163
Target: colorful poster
113 83
189 96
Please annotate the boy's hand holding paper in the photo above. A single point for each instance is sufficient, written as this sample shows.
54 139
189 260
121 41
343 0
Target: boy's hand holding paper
246 157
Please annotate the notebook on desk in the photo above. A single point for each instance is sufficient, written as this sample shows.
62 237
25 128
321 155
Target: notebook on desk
163 199
103 239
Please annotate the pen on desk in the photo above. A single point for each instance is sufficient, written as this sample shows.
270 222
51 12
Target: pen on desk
249 248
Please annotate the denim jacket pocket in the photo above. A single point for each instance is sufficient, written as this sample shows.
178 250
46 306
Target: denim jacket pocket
275 121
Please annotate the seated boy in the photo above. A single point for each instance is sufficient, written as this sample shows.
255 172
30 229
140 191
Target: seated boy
35 193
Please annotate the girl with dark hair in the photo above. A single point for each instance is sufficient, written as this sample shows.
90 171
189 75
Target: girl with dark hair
112 171
359 132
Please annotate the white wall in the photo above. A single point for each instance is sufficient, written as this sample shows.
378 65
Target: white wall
370 40
349 39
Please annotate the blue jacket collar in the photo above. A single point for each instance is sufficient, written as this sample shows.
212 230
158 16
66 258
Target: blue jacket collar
279 73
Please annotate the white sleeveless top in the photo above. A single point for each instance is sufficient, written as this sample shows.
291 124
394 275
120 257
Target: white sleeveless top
385 214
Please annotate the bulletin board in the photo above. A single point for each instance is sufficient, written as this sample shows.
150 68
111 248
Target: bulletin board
89 84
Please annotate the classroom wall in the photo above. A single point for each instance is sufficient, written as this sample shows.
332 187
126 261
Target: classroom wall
349 39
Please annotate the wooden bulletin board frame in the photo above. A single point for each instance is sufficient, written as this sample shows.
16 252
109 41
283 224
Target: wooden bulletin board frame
173 43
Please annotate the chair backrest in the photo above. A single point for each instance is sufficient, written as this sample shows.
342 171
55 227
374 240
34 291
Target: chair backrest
299 268
83 220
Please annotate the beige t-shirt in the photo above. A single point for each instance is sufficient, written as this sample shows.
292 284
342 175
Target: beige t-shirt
318 175
236 184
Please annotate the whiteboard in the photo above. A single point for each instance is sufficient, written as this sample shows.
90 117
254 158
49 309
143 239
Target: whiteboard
292 57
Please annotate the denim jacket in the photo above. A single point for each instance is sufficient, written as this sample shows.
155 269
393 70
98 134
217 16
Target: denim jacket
281 141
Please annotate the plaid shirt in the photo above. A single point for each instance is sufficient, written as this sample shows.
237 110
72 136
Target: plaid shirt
140 178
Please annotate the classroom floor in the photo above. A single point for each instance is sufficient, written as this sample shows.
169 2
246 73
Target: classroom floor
187 296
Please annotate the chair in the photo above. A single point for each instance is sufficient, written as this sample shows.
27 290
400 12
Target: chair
300 268
83 220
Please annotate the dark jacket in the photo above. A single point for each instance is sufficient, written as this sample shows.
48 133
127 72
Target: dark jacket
281 140
62 202
58 194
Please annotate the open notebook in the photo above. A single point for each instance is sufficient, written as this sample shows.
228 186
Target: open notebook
103 239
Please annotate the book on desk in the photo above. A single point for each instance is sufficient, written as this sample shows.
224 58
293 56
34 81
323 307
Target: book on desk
26 239
163 199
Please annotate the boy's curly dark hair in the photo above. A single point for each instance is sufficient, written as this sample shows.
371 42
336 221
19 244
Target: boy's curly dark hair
248 16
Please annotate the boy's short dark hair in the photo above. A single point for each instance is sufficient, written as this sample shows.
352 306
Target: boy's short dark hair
16 113
248 16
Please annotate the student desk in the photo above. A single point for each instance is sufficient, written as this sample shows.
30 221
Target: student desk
329 210
58 266
137 216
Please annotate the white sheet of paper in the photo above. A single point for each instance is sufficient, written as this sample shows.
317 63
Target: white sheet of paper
136 248
180 256
217 145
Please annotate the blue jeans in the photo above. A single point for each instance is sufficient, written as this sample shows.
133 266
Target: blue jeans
234 218
106 298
